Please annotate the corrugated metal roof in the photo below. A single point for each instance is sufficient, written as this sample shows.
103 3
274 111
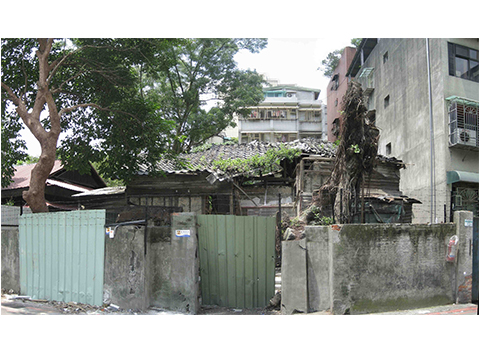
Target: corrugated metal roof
21 178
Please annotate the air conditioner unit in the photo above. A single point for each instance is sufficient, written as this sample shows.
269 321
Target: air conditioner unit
463 123
466 137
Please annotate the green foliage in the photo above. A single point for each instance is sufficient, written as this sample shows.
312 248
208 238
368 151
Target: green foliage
146 95
28 160
295 222
355 148
257 164
318 219
122 125
13 149
199 69
331 62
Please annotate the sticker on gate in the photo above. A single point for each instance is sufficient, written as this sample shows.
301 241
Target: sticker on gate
182 233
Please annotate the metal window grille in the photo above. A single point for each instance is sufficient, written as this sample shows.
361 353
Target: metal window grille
463 124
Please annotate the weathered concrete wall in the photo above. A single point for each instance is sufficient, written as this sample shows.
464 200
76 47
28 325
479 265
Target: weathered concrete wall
319 269
389 267
173 265
379 267
294 277
10 259
166 277
125 269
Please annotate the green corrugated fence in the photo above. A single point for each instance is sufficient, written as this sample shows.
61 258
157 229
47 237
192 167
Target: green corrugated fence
62 256
237 260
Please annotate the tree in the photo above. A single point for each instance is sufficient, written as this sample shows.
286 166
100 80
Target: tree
331 62
199 69
85 86
122 103
355 156
12 149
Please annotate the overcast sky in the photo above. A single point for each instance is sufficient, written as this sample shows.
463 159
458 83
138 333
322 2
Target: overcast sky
294 60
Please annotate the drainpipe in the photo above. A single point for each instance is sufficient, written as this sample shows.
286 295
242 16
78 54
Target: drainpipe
432 147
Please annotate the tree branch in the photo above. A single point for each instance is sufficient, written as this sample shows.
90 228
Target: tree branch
96 106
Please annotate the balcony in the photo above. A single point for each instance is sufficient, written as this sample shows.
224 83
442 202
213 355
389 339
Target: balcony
268 125
367 79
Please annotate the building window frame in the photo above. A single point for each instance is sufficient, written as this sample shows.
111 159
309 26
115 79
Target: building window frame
463 62
386 101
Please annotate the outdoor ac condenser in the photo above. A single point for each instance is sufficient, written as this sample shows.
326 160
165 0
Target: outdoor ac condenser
467 137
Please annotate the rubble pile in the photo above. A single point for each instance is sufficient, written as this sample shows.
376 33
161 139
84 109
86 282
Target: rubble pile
72 307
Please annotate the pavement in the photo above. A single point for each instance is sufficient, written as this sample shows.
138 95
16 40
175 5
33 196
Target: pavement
454 309
18 305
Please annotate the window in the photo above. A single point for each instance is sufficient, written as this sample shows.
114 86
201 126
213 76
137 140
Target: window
334 83
386 101
388 149
275 94
463 62
312 115
336 127
385 57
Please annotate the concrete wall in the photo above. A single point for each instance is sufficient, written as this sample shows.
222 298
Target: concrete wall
372 268
125 281
10 259
166 277
174 266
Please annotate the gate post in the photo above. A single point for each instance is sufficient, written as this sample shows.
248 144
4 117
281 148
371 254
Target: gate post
184 274
463 274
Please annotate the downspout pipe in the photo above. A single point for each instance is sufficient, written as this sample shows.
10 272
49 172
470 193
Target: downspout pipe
432 143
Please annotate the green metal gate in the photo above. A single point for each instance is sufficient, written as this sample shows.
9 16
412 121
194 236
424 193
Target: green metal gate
237 260
62 256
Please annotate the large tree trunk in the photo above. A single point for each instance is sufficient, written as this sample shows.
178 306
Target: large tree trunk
35 195
354 159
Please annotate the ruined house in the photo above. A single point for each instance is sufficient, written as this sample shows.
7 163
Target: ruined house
224 179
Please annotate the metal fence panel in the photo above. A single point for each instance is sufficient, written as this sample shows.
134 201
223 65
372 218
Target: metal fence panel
237 260
62 256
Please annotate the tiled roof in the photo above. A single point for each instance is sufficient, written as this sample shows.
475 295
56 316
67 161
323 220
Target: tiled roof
203 160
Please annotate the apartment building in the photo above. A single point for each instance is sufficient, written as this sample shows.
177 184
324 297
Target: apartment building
288 113
335 91
423 96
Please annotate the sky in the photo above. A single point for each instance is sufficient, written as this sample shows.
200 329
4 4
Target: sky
288 60
294 60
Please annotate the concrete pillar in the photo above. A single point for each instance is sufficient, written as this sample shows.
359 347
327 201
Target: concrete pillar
463 282
125 267
294 277
185 286
10 259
